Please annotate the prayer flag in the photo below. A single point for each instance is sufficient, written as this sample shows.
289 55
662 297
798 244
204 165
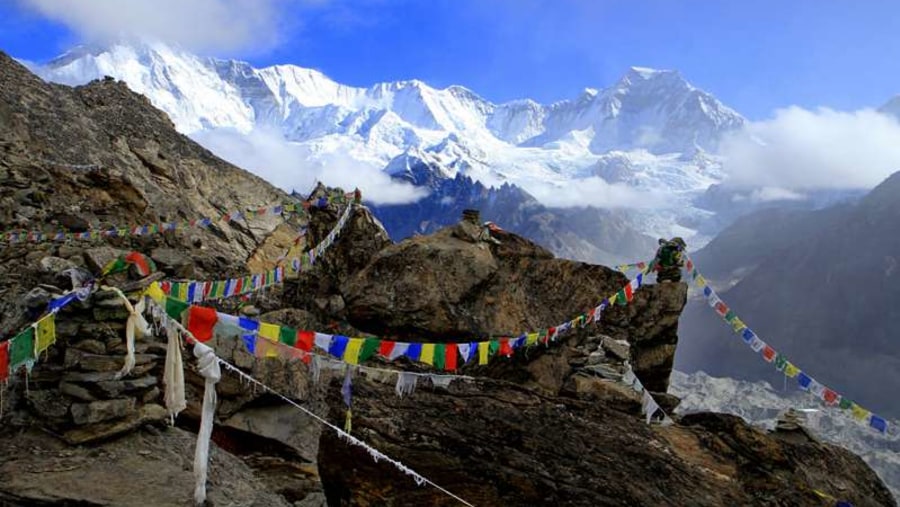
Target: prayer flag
768 354
305 340
804 381
440 355
400 349
156 293
385 349
450 358
288 336
791 371
370 348
748 335
464 350
878 423
621 297
22 349
830 396
483 352
45 334
845 403
270 332
629 293
859 413
4 360
427 355
323 341
414 351
61 302
780 362
738 325
200 322
338 346
505 349
351 352
531 339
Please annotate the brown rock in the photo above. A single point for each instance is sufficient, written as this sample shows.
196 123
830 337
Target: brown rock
104 410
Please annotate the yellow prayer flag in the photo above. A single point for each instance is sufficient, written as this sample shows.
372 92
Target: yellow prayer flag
484 349
700 281
269 331
351 352
531 339
182 291
859 413
791 371
45 334
156 293
427 356
738 325
612 299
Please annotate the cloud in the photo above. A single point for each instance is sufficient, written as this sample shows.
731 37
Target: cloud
288 166
596 192
199 25
800 150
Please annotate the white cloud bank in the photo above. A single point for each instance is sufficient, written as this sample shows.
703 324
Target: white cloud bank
595 192
800 150
199 25
287 165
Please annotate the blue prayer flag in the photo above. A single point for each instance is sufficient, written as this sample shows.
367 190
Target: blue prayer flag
804 380
878 423
338 346
414 351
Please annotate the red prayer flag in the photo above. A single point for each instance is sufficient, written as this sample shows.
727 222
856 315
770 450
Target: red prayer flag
4 360
305 340
239 285
768 354
550 333
450 357
629 293
385 349
721 308
830 396
144 266
201 321
689 265
505 348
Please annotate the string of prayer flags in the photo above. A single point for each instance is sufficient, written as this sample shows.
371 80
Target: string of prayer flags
113 231
804 381
197 291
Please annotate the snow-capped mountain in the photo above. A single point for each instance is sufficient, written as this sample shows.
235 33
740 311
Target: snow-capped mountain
651 133
760 404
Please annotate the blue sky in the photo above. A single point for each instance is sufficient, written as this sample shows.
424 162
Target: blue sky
755 56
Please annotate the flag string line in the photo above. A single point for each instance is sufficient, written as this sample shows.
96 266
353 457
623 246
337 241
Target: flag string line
828 396
374 453
632 379
229 287
16 236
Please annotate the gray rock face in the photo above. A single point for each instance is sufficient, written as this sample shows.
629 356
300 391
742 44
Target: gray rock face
99 411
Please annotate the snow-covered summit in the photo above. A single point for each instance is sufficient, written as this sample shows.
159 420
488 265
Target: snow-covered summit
654 117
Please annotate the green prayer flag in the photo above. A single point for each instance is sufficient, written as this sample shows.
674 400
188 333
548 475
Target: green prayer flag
846 403
288 336
780 362
621 298
21 350
440 355
730 316
174 308
493 348
370 348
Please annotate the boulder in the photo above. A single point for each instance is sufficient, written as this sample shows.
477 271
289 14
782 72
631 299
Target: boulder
103 410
